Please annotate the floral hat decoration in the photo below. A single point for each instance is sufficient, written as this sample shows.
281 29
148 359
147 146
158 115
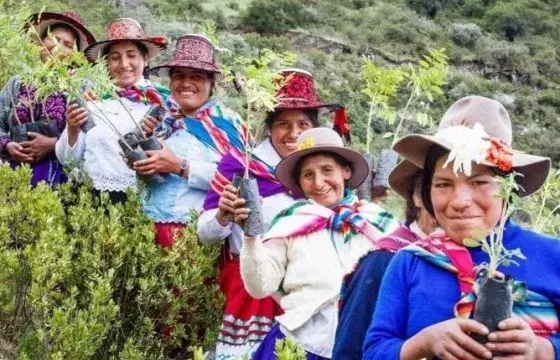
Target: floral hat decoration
298 93
126 29
478 129
45 20
318 140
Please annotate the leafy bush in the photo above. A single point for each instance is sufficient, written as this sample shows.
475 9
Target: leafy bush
466 35
473 9
274 16
431 7
82 279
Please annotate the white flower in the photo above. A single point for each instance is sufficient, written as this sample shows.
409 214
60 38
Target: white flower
468 145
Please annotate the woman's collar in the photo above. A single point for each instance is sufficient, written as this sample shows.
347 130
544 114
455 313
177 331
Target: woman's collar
267 152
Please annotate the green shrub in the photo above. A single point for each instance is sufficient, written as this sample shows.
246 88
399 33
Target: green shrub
473 9
466 35
431 7
274 17
84 280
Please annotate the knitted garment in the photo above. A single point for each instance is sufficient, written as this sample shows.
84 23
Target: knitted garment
146 93
440 250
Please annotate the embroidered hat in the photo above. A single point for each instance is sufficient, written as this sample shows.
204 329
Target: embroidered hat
45 20
126 29
191 51
298 93
478 129
318 140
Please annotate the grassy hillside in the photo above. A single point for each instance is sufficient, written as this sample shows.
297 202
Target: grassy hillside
504 49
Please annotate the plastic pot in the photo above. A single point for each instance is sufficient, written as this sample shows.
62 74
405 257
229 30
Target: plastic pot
19 133
132 156
151 143
387 162
49 129
249 190
156 111
364 191
90 123
235 182
494 304
34 127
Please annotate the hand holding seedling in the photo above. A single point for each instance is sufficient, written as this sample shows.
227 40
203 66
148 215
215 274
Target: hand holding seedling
226 204
517 339
39 146
149 124
75 117
162 161
448 340
18 152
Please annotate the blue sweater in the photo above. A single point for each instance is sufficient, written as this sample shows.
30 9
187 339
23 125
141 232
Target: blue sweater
416 294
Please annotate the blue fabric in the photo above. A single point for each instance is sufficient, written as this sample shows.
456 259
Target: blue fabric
267 348
356 310
416 294
173 200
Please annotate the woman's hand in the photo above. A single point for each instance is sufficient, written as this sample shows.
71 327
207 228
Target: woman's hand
161 161
75 118
241 213
39 146
517 339
18 152
226 204
149 125
448 340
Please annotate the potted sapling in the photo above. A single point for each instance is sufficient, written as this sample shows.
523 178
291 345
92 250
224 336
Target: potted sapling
82 81
382 85
258 84
421 84
494 301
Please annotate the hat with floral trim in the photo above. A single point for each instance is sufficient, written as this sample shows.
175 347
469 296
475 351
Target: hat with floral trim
191 51
126 29
45 20
318 140
478 129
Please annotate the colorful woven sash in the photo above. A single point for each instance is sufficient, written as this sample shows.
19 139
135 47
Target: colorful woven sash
438 249
347 218
214 125
148 94
234 163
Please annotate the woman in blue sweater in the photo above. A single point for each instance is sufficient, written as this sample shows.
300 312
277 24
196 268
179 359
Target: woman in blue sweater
414 317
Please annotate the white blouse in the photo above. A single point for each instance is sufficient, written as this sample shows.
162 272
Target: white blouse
99 148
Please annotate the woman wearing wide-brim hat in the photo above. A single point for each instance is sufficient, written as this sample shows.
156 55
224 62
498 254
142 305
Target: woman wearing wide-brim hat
361 286
427 296
127 51
298 110
198 131
44 121
301 260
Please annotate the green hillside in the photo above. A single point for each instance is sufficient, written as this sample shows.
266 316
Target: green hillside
507 50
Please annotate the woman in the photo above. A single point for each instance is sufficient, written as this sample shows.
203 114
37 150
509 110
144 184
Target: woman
200 130
58 33
302 259
127 51
361 287
414 317
246 320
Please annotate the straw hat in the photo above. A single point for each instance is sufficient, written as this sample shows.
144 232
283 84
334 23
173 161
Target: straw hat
45 20
480 129
317 140
126 29
192 51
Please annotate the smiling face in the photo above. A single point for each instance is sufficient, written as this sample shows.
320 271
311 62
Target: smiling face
286 128
62 40
191 88
126 63
463 204
322 179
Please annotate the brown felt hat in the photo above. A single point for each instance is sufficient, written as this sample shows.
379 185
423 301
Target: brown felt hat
402 175
495 122
44 20
318 140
